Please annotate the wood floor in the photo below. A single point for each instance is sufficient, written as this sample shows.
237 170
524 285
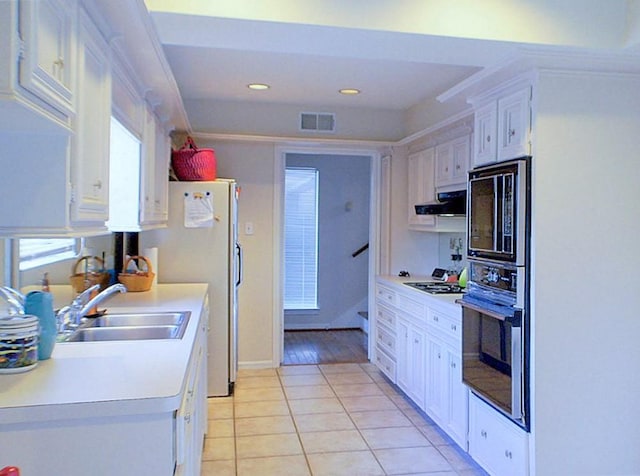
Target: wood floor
325 347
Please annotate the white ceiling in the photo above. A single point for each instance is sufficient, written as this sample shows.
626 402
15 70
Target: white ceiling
213 58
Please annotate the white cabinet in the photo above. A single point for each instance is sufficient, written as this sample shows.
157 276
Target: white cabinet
58 181
412 360
421 188
154 192
47 58
90 152
447 396
385 331
485 134
411 346
514 124
37 64
452 163
498 445
502 126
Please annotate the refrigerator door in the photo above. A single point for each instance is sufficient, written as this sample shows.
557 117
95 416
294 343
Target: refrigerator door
207 254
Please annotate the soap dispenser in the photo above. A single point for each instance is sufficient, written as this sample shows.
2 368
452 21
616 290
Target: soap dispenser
40 304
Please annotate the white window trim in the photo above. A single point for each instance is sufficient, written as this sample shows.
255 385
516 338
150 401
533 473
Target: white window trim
48 253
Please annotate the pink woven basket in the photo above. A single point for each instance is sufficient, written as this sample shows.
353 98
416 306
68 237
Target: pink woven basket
192 164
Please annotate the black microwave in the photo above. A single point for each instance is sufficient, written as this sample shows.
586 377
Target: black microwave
498 218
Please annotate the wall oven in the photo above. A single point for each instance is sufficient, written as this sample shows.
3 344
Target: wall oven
495 336
495 308
496 214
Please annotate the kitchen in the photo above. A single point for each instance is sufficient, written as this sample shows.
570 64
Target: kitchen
576 414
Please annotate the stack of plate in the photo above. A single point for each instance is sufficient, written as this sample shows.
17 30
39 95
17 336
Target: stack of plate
18 343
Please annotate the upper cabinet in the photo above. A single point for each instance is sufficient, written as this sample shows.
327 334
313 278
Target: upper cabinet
47 66
421 188
90 153
502 125
62 64
452 163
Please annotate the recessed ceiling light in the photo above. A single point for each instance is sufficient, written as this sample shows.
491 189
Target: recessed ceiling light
349 91
258 86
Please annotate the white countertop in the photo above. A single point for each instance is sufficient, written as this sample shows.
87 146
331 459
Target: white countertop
398 282
108 378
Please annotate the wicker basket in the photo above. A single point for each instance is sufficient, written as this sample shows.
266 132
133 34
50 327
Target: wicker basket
83 280
191 164
140 280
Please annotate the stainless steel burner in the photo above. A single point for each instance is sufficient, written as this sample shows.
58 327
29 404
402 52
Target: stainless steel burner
436 288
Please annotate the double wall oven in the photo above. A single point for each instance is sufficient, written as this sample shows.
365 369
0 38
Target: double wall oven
495 308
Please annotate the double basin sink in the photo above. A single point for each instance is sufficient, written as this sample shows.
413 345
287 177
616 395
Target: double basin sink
132 326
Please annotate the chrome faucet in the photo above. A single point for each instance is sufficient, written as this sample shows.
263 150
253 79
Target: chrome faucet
14 298
102 296
70 317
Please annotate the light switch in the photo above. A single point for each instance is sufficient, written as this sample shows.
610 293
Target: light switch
248 228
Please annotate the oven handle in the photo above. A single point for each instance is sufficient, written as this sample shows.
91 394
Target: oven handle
514 319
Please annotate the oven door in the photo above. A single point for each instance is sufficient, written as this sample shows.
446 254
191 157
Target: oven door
492 354
497 212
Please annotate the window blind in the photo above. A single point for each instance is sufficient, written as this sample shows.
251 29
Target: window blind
301 239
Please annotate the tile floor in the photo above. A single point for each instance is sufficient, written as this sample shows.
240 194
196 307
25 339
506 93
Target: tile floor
334 419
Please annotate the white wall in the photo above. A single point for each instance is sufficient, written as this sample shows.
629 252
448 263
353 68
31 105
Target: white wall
252 165
283 120
586 331
342 279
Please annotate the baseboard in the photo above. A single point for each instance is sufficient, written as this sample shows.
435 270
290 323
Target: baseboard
307 329
258 364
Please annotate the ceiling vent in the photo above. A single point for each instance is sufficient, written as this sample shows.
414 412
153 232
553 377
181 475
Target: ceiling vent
317 121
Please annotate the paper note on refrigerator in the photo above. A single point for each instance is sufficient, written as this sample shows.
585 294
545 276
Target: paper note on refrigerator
198 210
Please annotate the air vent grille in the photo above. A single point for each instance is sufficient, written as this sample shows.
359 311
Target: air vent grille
317 121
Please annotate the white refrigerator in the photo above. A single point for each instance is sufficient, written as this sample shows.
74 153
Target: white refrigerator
200 244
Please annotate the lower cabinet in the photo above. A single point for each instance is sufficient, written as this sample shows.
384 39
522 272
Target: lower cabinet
411 369
447 396
498 445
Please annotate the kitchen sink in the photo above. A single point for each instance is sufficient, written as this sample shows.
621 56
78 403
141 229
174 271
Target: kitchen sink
132 326
140 319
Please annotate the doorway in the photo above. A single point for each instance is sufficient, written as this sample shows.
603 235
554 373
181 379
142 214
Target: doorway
336 329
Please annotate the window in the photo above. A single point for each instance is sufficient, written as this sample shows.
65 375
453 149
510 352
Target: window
36 252
301 239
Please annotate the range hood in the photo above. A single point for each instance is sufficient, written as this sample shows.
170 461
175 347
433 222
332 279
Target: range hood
448 204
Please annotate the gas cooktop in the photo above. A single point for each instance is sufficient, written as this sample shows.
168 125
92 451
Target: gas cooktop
437 287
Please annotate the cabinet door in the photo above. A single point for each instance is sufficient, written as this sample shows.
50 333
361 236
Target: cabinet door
47 64
403 356
90 158
460 161
444 164
485 134
514 124
496 444
457 399
435 388
421 185
418 375
161 180
147 179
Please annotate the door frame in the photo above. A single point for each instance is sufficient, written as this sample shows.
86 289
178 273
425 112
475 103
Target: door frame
281 151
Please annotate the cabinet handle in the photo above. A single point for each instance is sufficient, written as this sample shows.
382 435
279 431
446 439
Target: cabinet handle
435 318
488 138
59 62
512 132
98 185
508 454
453 327
453 365
187 418
483 433
458 167
438 355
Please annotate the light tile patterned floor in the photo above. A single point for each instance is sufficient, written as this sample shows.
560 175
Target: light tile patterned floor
335 419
